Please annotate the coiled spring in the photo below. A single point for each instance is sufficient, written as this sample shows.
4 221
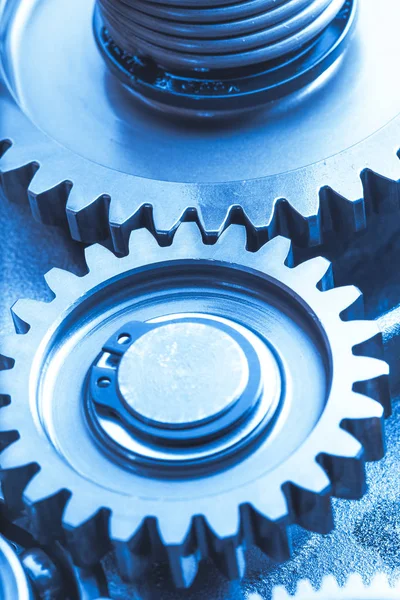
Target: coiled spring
187 35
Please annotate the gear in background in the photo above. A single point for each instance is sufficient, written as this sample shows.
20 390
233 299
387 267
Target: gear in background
34 574
353 589
74 142
79 474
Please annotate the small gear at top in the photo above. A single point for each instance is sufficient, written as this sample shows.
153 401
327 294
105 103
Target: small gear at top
185 402
320 151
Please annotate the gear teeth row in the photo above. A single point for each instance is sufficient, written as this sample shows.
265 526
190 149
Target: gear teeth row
92 216
89 532
353 589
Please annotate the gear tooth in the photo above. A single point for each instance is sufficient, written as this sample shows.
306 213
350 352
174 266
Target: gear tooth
347 300
186 238
278 593
270 536
343 460
341 215
141 244
122 225
47 189
349 189
234 237
183 568
167 216
360 331
289 222
355 583
363 407
223 541
179 538
379 583
132 530
5 145
39 488
305 589
7 379
381 187
367 368
315 480
329 588
343 445
315 271
214 213
17 156
24 312
273 254
87 212
372 380
99 258
60 280
364 420
230 559
86 530
44 179
310 510
14 455
132 545
44 503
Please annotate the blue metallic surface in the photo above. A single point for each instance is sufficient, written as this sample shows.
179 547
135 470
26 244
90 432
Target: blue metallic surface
366 536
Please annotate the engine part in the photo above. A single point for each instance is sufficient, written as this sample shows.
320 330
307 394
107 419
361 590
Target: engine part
249 54
354 589
97 454
13 580
31 574
90 158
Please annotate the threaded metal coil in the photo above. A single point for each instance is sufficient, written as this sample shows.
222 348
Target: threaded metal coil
183 35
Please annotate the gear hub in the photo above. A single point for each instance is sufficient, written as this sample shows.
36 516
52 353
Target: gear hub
185 402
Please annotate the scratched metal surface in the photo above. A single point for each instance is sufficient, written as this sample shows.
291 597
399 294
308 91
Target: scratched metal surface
367 534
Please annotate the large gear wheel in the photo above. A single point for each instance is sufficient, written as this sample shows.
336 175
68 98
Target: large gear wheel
353 589
187 401
87 156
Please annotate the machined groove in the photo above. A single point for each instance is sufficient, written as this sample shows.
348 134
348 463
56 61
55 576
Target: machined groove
194 44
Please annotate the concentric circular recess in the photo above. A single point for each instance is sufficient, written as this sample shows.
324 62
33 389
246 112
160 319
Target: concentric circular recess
13 581
102 164
293 405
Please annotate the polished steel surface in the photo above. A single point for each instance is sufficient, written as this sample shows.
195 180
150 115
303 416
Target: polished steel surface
284 306
183 374
229 45
79 124
13 581
365 538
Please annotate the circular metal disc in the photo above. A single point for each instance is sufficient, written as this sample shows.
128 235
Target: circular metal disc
183 374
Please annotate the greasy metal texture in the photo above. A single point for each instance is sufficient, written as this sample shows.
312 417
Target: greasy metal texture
45 577
342 426
231 44
98 163
183 373
13 581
